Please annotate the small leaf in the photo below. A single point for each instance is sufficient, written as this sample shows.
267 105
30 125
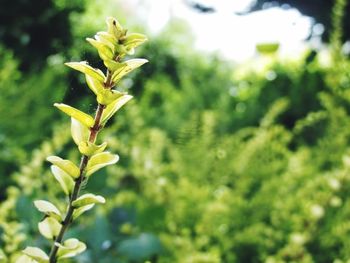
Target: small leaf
87 69
66 165
99 161
103 50
114 28
107 39
88 199
66 182
48 209
107 96
89 149
36 254
77 212
112 65
84 118
70 248
26 259
267 48
120 50
134 40
127 67
95 85
49 228
80 133
113 107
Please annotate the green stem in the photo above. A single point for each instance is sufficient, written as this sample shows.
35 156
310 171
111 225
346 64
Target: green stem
83 163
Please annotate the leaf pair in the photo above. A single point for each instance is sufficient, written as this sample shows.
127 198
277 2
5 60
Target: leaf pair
51 226
70 248
115 40
80 135
85 203
65 172
96 82
89 149
80 128
95 163
82 122
104 95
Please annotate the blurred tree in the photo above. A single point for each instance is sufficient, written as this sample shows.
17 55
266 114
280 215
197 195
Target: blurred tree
35 30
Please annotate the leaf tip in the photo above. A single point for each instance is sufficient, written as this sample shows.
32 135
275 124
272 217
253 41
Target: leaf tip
50 158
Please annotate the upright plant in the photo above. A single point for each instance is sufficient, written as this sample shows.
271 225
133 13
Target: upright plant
112 47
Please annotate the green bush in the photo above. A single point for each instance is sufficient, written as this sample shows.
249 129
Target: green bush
219 162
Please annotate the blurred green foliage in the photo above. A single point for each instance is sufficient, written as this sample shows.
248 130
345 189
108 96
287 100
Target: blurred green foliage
33 32
219 163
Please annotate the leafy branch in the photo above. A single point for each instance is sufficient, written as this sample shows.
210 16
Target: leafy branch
112 46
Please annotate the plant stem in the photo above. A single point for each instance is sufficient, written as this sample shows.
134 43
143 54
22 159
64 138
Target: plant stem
83 163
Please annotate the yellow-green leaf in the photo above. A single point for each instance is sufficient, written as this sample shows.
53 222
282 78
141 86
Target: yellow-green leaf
70 248
134 40
107 96
85 68
104 51
113 107
77 212
48 209
89 149
130 51
112 65
66 165
95 85
66 182
49 227
114 28
107 39
267 48
80 133
84 118
88 199
127 67
99 161
24 259
36 254
120 50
